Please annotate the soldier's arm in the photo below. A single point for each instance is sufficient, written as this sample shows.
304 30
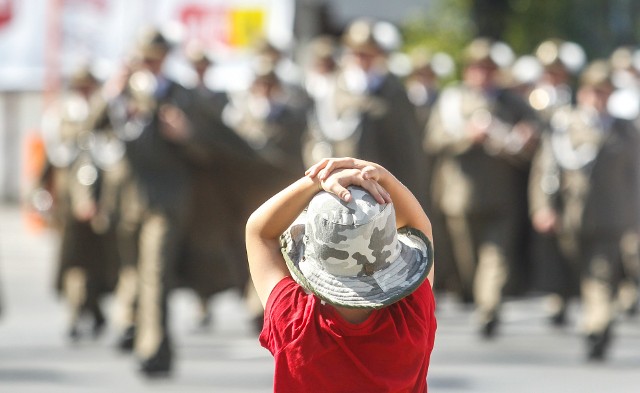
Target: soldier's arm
543 187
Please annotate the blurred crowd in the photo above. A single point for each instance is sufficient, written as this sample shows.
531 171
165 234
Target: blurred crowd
527 166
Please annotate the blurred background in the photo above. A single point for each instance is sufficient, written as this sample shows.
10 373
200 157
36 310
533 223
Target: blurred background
47 343
42 42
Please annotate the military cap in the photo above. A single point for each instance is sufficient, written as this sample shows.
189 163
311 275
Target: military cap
369 35
264 71
82 77
197 55
152 44
440 63
488 51
267 50
624 58
557 52
597 73
322 47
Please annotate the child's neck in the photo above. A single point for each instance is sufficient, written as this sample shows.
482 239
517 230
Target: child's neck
353 315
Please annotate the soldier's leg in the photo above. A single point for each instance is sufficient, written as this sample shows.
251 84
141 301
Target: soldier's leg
464 253
496 242
159 239
598 287
126 292
74 284
628 291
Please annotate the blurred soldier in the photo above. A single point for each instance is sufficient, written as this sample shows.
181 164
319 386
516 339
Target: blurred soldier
214 257
268 121
367 113
423 89
485 135
423 82
592 164
320 83
561 60
321 67
268 56
87 261
207 265
625 103
148 116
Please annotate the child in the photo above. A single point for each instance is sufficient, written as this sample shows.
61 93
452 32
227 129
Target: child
347 308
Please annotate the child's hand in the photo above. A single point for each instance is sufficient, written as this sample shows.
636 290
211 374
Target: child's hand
327 166
339 179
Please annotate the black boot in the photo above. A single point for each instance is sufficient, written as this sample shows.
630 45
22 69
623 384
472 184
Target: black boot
74 333
558 318
488 329
126 341
99 323
598 345
158 365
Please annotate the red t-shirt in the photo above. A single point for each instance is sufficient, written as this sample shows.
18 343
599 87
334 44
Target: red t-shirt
316 350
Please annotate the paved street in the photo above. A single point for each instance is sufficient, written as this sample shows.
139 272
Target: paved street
528 356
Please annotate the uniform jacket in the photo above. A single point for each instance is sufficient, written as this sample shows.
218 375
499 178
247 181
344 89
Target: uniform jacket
481 178
596 191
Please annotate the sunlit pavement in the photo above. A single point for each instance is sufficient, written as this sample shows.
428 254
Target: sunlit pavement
35 356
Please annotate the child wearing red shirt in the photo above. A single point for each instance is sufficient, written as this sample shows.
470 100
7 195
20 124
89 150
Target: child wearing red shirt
347 295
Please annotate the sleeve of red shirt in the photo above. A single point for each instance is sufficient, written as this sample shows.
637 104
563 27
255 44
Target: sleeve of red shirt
287 309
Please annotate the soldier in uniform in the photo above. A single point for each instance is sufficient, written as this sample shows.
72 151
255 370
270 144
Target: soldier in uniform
560 60
423 89
147 115
268 56
485 135
592 162
625 102
423 82
269 123
272 126
214 259
206 264
367 113
87 260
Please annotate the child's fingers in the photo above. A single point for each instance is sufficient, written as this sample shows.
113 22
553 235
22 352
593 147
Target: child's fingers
315 168
376 190
334 164
369 172
337 189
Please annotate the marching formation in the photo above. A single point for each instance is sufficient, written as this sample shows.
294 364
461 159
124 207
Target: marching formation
528 169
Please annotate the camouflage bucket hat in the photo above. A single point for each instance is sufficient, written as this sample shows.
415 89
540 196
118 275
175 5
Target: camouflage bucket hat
351 255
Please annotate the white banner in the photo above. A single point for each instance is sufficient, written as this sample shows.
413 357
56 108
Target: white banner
103 31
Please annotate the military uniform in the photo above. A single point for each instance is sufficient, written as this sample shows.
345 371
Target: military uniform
268 122
480 183
87 261
155 190
423 91
559 60
211 261
596 200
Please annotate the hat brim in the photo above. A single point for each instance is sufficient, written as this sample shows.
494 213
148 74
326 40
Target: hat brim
399 279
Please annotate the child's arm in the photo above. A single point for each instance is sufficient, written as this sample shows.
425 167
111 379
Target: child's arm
269 221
